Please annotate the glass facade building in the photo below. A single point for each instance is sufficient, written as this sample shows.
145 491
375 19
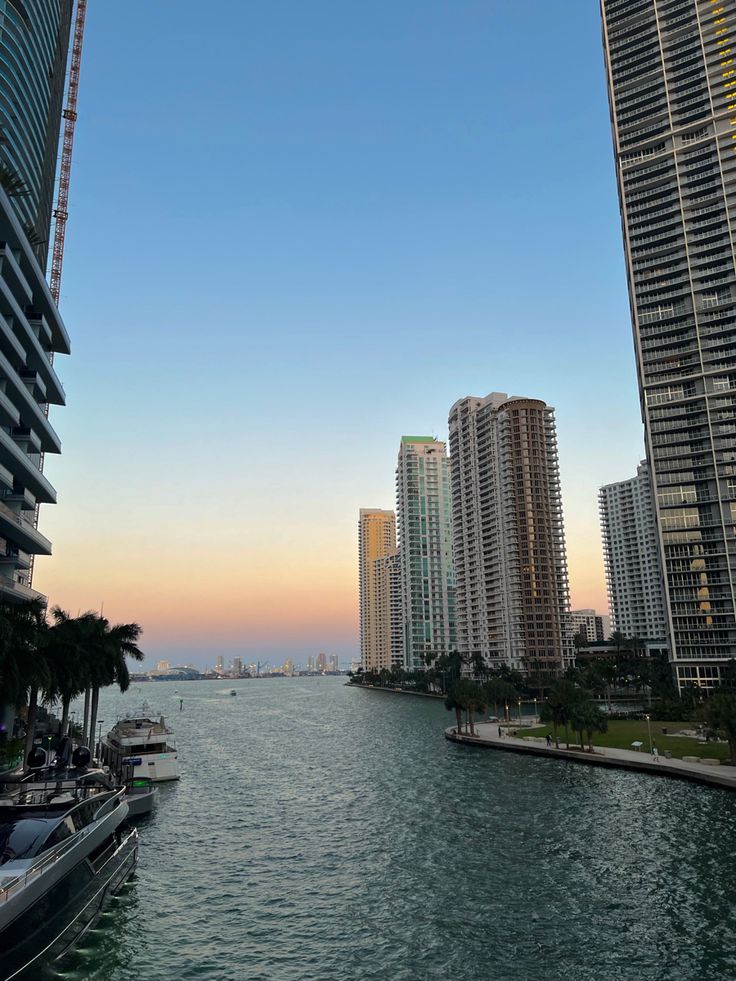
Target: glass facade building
425 549
34 42
671 67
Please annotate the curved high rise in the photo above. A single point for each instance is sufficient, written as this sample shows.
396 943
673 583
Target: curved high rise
34 36
672 90
34 41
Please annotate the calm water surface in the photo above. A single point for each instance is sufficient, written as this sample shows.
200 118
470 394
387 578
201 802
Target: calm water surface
321 832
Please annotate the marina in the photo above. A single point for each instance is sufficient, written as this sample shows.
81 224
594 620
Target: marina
342 815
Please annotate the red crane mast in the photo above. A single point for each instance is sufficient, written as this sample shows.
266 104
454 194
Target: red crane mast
61 212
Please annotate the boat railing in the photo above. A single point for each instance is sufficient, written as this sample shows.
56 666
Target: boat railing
53 855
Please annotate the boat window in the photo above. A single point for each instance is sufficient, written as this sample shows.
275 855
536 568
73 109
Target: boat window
22 838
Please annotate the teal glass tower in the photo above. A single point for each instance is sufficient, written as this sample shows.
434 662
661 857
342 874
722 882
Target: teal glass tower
34 43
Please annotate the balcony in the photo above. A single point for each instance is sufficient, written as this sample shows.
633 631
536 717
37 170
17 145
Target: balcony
16 592
24 470
22 533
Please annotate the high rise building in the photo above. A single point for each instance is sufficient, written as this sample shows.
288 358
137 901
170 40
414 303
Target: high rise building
34 44
509 540
594 627
631 556
376 539
334 663
672 92
33 47
220 664
389 620
310 664
425 548
237 667
321 662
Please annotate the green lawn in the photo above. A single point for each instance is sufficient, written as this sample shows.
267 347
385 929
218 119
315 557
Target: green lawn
621 734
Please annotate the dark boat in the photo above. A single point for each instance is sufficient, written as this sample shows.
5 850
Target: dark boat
64 852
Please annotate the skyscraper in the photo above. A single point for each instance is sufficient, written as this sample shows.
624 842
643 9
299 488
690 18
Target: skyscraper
425 547
631 557
376 539
672 91
389 622
34 38
509 540
34 43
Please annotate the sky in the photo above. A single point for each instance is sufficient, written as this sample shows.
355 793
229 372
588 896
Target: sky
298 231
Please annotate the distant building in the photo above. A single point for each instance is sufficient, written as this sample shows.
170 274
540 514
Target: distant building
425 548
376 539
310 664
162 666
321 662
220 664
509 536
237 667
632 559
389 620
288 667
596 627
333 663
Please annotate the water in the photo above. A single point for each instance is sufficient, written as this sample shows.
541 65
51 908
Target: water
320 832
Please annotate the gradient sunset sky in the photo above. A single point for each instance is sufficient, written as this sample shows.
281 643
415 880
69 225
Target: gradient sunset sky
298 230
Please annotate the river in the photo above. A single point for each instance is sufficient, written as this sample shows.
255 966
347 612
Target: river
321 832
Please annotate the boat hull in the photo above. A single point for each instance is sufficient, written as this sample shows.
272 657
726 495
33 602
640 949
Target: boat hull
26 947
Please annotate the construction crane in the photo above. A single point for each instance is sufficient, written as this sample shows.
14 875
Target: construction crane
61 211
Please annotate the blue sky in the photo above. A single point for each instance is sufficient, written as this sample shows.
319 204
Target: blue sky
297 231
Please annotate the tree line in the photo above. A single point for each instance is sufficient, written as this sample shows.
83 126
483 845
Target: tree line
53 658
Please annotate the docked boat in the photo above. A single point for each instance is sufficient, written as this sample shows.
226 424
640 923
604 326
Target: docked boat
64 852
140 795
141 746
233 692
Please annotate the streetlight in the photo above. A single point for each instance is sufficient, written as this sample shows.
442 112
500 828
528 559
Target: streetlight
507 714
99 738
649 727
519 711
536 717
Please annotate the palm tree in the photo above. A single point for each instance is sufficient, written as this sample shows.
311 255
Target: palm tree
475 702
454 700
23 666
719 711
68 657
110 647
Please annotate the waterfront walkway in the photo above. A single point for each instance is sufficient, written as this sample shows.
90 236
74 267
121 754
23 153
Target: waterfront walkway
488 738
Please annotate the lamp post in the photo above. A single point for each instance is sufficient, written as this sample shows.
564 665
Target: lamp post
519 703
99 738
536 717
649 727
507 714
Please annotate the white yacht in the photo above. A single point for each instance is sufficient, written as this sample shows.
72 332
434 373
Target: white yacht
141 746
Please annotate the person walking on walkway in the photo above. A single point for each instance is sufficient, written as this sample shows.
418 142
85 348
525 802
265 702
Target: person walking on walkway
549 740
654 754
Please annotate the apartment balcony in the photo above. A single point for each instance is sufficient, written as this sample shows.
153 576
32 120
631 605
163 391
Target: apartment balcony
23 469
16 592
22 533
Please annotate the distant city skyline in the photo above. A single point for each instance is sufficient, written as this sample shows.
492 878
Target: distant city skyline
403 211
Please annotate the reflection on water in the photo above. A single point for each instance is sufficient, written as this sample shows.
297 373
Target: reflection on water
320 832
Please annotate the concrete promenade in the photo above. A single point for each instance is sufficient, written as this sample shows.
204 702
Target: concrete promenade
623 759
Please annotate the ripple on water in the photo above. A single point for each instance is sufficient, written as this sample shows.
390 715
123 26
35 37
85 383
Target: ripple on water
324 833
